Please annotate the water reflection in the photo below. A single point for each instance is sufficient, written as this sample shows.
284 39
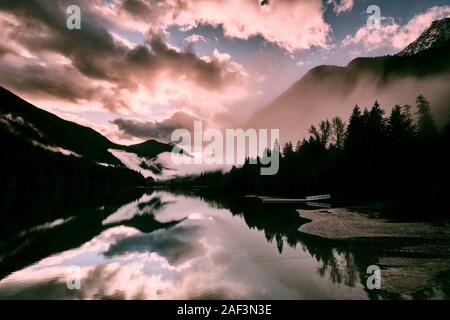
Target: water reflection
176 246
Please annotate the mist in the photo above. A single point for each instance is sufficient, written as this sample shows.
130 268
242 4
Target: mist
317 98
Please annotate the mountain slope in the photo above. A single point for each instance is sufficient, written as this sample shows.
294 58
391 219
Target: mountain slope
149 149
437 35
328 91
46 155
45 129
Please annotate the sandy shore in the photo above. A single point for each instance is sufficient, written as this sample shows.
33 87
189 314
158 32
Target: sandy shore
344 224
418 268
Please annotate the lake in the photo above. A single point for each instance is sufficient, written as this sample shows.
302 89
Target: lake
165 245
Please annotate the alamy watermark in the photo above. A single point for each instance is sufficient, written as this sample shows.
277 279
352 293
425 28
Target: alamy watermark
73 278
374 19
213 146
73 21
374 280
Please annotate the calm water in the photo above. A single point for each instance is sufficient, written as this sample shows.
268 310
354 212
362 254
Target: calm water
167 246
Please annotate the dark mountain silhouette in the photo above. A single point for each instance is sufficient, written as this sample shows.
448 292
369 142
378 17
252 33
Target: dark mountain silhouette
47 159
324 91
32 123
46 129
32 174
149 149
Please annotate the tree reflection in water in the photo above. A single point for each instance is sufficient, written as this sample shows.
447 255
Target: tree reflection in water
165 227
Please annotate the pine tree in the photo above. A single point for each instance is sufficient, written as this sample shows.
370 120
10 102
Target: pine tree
376 135
354 130
288 150
400 126
426 128
376 122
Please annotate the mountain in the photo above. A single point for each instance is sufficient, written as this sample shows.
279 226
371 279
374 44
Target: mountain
49 164
328 91
47 130
149 149
437 35
47 155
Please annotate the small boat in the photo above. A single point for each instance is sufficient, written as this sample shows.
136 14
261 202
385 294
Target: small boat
306 200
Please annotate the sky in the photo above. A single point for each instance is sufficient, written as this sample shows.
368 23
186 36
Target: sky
138 69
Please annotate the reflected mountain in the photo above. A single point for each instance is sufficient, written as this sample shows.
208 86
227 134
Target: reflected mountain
28 247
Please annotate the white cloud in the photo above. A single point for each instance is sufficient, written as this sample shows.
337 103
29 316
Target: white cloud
194 38
340 6
292 25
393 35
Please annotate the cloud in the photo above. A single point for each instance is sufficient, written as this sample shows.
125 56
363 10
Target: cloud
211 73
340 6
157 130
394 36
40 56
194 38
4 50
292 25
122 61
64 81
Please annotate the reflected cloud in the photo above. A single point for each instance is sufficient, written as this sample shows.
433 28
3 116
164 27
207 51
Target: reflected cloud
178 245
168 246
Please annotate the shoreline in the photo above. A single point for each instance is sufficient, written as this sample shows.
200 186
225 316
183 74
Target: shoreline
341 224
414 257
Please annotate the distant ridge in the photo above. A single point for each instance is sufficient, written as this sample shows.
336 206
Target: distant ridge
328 91
54 132
437 35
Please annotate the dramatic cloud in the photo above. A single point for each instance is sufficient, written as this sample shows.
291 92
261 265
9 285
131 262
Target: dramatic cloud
340 6
34 79
278 22
138 58
395 36
130 129
40 55
157 130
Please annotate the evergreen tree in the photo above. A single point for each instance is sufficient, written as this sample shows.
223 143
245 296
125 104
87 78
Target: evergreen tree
299 145
400 126
288 150
426 128
376 124
373 156
355 127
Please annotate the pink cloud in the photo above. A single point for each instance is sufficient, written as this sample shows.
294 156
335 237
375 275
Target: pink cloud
292 25
98 69
340 6
395 36
194 38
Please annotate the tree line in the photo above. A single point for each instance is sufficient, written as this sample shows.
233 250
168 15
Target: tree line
398 156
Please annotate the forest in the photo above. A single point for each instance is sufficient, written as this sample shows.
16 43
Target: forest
400 157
